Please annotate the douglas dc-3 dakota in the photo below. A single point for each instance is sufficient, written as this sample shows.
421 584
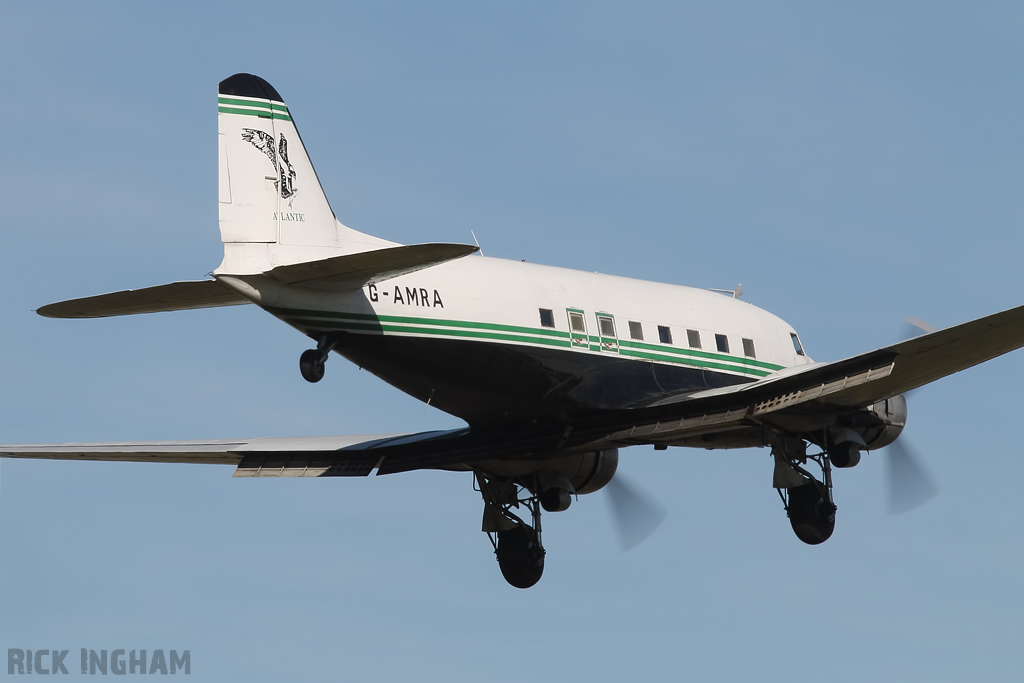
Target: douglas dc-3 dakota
552 370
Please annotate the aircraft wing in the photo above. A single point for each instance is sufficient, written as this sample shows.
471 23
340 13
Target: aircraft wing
316 456
304 456
895 369
824 388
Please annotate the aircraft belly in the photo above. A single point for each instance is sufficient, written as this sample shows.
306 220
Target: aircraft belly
491 381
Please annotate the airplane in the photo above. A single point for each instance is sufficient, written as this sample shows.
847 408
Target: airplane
553 370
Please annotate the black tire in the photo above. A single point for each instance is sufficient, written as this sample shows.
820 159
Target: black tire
520 556
311 365
811 513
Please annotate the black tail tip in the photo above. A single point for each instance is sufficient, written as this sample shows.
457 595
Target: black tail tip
249 85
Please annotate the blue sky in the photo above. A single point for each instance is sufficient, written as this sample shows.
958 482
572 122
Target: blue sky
850 166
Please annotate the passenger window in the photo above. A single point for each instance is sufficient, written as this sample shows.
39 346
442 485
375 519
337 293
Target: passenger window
748 348
722 342
576 322
547 317
693 339
664 334
636 330
607 326
796 344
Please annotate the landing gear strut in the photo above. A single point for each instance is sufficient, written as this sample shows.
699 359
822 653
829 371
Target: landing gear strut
808 500
517 543
311 362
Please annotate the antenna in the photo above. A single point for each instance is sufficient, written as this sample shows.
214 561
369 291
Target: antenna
735 293
477 242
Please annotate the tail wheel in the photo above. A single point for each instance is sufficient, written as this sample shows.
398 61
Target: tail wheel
811 513
520 556
311 365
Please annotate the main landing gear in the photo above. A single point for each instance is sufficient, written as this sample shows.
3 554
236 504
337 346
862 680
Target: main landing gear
516 542
808 500
312 362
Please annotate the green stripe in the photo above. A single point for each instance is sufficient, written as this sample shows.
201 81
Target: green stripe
698 363
423 321
472 334
701 354
499 332
253 112
253 103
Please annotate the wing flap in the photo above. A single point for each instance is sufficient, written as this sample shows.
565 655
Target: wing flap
176 296
352 271
827 389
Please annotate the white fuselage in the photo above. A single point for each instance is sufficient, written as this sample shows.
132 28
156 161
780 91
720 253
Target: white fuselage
529 309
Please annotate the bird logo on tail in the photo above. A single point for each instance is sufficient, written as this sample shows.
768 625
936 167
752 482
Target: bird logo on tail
264 142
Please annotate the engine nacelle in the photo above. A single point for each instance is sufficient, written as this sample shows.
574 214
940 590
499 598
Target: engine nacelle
891 415
558 479
869 430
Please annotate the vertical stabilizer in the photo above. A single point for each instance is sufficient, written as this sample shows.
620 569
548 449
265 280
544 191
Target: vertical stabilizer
269 192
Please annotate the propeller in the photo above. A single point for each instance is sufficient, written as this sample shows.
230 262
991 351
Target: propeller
910 486
635 514
915 327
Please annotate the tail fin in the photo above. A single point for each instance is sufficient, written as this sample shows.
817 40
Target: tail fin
269 191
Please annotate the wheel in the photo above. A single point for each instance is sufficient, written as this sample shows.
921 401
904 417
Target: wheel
520 556
811 513
311 365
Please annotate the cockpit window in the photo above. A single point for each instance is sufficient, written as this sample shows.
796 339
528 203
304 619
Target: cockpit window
796 344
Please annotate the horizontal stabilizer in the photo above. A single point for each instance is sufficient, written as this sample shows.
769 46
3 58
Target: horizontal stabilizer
355 270
177 296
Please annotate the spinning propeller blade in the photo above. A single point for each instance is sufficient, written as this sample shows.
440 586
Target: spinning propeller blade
910 486
915 327
636 515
